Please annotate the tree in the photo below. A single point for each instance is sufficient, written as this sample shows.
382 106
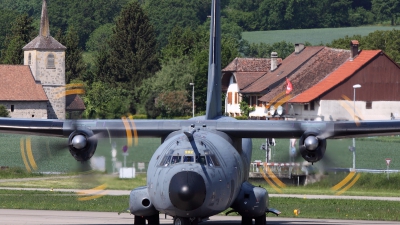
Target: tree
22 32
4 112
6 18
99 38
182 13
74 65
104 102
132 55
263 50
173 103
386 9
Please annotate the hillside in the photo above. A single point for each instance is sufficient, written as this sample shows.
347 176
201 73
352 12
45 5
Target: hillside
314 36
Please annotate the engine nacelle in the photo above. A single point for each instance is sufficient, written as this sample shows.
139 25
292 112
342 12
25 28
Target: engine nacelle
140 203
251 201
81 145
312 148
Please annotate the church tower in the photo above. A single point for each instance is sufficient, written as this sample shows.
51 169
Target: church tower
46 58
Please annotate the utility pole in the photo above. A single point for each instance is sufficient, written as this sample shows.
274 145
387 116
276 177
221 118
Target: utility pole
354 118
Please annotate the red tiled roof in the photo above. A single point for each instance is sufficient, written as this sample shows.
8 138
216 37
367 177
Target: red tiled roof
244 79
17 84
288 66
249 65
310 73
74 103
337 76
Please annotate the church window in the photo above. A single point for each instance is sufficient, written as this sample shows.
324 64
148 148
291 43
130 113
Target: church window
50 61
29 59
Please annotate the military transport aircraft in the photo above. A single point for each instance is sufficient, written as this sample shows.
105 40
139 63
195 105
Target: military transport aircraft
201 167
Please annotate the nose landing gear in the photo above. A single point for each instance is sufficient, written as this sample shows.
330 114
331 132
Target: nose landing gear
184 221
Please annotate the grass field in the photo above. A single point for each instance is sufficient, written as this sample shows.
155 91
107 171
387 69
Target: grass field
371 152
314 36
309 208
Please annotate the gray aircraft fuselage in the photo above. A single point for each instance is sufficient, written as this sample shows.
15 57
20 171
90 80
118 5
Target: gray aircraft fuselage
197 178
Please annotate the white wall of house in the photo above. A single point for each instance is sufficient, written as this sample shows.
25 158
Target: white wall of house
232 107
37 110
333 110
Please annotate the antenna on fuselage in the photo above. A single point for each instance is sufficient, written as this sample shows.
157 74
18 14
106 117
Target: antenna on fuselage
214 108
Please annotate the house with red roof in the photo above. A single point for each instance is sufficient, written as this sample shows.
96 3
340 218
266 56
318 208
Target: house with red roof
241 73
329 84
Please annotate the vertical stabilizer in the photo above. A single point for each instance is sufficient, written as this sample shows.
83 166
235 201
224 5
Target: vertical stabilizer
214 64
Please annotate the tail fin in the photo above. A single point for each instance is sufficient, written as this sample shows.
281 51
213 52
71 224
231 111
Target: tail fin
214 108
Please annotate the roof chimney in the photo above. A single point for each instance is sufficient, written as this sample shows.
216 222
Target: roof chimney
274 61
353 49
298 48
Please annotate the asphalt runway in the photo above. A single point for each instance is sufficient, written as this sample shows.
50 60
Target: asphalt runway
45 217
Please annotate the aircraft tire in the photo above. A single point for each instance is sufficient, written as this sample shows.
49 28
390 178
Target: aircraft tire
247 220
139 220
181 221
261 220
154 219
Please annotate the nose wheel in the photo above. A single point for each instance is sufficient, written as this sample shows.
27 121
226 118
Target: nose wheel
184 221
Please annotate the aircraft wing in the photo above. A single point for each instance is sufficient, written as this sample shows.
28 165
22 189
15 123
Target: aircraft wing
237 128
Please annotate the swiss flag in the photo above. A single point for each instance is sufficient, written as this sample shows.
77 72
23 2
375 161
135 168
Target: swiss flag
289 86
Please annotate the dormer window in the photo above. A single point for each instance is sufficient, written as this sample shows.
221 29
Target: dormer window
29 59
50 61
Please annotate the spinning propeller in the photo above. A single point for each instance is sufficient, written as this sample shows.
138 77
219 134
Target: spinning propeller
311 148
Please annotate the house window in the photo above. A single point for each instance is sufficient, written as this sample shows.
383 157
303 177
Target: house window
306 107
50 61
236 97
29 59
312 105
368 105
12 108
229 97
233 80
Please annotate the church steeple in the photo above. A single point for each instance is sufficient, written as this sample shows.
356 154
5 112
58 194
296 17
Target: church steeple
44 21
46 59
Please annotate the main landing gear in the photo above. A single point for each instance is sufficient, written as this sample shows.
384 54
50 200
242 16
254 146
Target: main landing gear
151 220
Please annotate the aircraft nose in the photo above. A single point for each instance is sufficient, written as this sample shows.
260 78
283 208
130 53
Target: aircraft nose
187 190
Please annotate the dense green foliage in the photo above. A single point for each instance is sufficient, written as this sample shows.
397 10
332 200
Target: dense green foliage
142 49
388 41
3 111
22 33
74 65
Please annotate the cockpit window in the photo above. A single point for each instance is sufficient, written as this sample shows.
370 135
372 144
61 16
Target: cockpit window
167 158
188 158
176 159
201 159
173 157
211 159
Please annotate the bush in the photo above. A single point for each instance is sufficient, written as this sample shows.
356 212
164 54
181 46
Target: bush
4 112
